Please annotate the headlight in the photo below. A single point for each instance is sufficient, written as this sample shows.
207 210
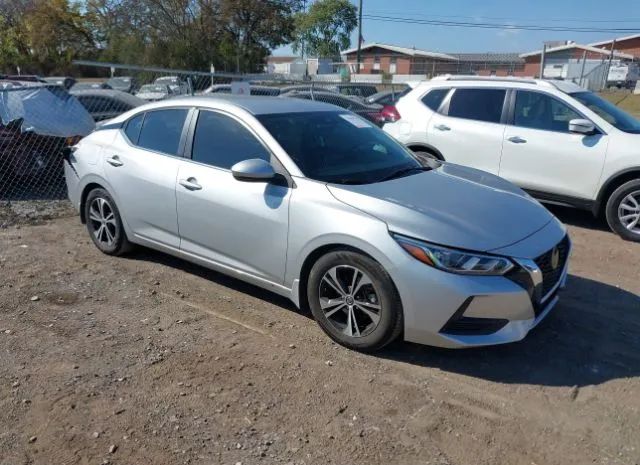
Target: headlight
455 261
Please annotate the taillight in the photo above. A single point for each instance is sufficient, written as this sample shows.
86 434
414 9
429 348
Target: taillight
390 114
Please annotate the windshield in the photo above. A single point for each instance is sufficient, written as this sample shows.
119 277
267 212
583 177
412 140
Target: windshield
338 147
609 112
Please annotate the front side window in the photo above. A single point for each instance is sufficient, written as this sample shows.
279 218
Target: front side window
609 112
478 104
337 147
434 98
536 110
221 141
162 129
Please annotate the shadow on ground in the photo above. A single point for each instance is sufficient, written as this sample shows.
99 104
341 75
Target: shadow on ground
577 217
591 337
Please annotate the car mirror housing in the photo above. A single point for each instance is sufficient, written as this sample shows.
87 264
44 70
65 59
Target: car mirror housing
582 126
254 169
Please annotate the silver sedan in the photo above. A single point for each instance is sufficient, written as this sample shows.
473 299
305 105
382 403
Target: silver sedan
317 204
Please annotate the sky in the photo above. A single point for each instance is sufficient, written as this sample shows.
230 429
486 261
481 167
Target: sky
557 13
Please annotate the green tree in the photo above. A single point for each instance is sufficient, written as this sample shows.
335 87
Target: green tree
326 28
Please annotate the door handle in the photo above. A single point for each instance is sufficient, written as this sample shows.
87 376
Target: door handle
442 127
517 140
115 161
190 184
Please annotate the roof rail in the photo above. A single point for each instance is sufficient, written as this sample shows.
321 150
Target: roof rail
451 77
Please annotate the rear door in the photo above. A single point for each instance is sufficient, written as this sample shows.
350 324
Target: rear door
142 166
540 154
469 128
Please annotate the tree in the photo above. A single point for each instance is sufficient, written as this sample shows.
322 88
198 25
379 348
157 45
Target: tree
326 28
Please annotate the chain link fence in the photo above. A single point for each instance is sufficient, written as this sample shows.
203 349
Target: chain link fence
40 117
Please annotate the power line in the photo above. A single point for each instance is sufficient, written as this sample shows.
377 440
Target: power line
480 25
480 18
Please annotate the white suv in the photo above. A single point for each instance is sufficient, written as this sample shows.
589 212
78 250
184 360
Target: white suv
557 141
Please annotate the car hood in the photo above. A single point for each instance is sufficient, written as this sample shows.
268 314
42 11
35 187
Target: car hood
450 205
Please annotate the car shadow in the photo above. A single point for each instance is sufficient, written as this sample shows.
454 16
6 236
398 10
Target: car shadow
591 337
149 255
577 217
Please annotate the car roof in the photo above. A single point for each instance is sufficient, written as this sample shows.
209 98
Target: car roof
111 93
254 104
509 82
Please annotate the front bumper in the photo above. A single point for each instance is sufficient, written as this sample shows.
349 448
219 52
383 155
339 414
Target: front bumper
457 311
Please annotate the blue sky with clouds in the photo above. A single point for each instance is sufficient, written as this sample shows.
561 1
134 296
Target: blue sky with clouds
582 13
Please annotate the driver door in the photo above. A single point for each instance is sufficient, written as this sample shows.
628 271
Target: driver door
541 155
234 224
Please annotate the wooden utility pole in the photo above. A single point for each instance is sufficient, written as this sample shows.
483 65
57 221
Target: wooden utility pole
358 55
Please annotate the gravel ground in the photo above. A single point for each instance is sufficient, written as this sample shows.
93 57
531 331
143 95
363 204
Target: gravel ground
150 360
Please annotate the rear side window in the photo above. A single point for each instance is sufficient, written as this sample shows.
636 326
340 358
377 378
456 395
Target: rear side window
132 130
477 104
434 99
221 141
162 130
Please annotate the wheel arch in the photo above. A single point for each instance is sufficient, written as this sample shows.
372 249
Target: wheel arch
83 197
314 256
422 147
611 185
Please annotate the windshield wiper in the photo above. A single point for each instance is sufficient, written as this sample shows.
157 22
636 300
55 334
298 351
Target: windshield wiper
404 171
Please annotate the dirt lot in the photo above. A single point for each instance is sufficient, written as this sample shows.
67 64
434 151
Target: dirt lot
149 360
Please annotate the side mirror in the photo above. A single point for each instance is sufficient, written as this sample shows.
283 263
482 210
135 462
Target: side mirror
582 126
255 170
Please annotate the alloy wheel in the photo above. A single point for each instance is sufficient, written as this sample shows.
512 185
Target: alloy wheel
349 301
629 212
103 221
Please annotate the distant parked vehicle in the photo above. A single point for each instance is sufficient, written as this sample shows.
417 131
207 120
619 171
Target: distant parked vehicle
154 92
561 143
355 90
23 78
177 85
123 84
307 88
623 76
66 82
370 112
90 85
255 90
36 123
105 104
387 97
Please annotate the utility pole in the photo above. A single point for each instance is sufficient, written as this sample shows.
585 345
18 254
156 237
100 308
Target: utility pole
358 55
544 50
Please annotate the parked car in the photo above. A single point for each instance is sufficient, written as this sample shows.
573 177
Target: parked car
557 141
90 85
387 97
307 88
123 84
105 104
64 81
357 90
255 90
154 92
314 203
36 122
178 85
371 112
22 78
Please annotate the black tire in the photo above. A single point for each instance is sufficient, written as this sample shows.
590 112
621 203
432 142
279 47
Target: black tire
613 206
119 244
390 323
422 155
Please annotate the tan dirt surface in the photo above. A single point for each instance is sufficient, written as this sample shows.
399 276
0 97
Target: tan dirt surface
150 360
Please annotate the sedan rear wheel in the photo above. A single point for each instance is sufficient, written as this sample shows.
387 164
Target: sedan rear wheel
104 223
354 301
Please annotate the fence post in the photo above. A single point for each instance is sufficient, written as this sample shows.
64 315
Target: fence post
584 62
